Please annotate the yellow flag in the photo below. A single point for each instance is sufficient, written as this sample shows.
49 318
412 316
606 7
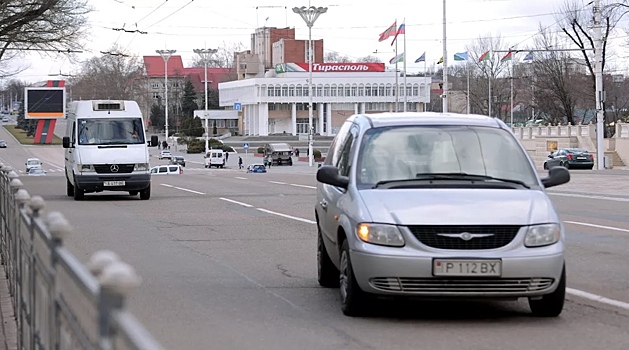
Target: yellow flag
440 61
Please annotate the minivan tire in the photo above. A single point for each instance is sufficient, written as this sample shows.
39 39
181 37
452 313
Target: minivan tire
145 194
69 188
352 297
551 305
327 273
78 194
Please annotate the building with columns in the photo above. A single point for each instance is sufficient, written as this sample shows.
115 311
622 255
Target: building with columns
277 103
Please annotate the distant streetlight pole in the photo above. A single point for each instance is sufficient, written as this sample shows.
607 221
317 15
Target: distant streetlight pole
445 63
310 15
205 55
166 55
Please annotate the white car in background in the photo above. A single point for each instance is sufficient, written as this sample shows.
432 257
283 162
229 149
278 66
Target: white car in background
33 163
36 171
172 169
165 154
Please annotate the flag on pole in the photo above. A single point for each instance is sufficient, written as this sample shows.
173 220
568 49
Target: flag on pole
460 56
421 58
484 57
389 32
398 58
401 30
528 57
440 61
507 57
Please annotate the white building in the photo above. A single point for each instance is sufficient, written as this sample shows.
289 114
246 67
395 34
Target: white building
278 102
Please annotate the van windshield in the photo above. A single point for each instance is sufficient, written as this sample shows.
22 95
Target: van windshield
110 131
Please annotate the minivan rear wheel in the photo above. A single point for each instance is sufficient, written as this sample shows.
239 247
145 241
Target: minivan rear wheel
352 297
327 273
551 305
69 188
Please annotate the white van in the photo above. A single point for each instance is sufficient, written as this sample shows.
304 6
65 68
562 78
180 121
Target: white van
215 157
106 148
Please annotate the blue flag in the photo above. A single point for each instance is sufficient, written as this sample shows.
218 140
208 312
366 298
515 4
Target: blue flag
421 58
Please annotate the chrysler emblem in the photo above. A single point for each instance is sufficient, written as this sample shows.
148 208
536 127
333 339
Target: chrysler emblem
466 236
114 168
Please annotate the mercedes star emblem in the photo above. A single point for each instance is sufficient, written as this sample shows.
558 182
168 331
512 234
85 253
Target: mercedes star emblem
114 168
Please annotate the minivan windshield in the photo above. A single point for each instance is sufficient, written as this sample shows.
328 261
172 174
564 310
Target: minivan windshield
415 152
110 131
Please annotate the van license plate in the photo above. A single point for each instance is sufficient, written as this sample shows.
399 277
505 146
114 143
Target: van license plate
457 267
113 183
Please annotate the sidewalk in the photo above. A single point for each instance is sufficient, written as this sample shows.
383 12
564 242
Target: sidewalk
8 337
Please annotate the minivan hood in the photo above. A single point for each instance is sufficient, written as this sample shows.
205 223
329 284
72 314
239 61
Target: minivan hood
132 154
459 206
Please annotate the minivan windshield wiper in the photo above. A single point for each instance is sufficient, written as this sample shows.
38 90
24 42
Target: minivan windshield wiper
466 176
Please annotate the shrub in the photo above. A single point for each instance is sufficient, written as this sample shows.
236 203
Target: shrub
227 148
196 148
260 150
316 153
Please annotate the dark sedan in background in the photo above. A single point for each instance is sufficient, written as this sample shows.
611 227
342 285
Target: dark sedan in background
178 160
571 158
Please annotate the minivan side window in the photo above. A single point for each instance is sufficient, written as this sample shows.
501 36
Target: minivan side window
163 169
345 154
337 144
174 169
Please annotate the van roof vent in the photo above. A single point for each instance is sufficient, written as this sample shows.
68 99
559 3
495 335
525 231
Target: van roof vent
108 106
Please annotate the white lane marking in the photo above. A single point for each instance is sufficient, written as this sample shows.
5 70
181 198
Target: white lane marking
278 182
182 189
240 178
304 186
236 202
598 298
589 196
287 216
598 226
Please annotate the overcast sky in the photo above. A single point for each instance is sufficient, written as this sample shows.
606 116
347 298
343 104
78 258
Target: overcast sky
350 27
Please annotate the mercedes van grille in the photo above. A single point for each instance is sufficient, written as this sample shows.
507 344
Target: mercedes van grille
465 237
109 168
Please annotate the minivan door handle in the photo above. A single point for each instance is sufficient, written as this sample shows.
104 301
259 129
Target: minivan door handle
324 204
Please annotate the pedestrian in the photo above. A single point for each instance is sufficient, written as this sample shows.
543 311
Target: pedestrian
297 152
239 162
226 156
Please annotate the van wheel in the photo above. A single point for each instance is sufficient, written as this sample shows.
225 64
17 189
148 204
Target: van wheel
133 193
551 305
352 297
327 273
78 194
145 193
69 188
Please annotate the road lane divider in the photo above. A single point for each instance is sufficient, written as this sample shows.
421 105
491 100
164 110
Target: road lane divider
611 228
286 216
278 182
598 298
588 196
304 186
236 202
240 178
183 189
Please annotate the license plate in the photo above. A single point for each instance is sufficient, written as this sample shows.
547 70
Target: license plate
581 157
457 267
113 183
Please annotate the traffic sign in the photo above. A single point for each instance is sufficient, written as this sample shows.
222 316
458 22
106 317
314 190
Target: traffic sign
245 146
237 106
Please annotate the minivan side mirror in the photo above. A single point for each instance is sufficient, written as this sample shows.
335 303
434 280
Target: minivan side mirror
329 174
66 142
556 176
154 141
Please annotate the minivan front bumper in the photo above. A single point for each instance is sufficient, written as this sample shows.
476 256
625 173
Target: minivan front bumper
96 182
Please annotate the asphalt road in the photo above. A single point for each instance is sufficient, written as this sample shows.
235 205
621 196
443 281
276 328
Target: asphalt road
228 262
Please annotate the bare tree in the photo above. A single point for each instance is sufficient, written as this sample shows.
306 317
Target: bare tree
494 68
110 76
42 24
369 59
335 57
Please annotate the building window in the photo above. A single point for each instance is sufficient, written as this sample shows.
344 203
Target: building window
341 92
415 90
381 90
278 91
291 91
333 90
319 90
368 90
409 90
354 90
270 91
326 90
284 91
348 90
361 90
156 95
155 85
389 89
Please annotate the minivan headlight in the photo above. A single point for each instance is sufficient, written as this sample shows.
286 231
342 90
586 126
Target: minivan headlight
141 167
542 235
380 234
85 168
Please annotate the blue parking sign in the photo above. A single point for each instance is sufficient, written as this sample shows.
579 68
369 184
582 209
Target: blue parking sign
245 146
237 106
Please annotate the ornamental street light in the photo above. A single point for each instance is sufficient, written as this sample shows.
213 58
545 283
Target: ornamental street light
166 55
205 55
310 15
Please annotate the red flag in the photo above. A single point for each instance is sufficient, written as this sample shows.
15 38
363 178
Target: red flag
389 32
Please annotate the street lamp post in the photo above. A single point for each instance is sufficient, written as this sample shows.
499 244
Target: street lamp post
310 15
166 55
205 56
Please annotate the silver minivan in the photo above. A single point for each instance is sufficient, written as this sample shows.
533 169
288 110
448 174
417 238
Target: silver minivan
439 206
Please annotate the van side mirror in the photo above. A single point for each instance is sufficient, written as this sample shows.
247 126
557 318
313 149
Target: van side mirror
66 142
154 141
556 176
329 174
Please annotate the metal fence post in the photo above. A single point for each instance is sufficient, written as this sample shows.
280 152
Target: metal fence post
22 197
116 280
58 227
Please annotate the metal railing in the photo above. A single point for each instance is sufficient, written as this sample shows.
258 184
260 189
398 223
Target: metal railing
60 303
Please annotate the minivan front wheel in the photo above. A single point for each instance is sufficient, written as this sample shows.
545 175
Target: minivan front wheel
327 273
551 305
352 297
